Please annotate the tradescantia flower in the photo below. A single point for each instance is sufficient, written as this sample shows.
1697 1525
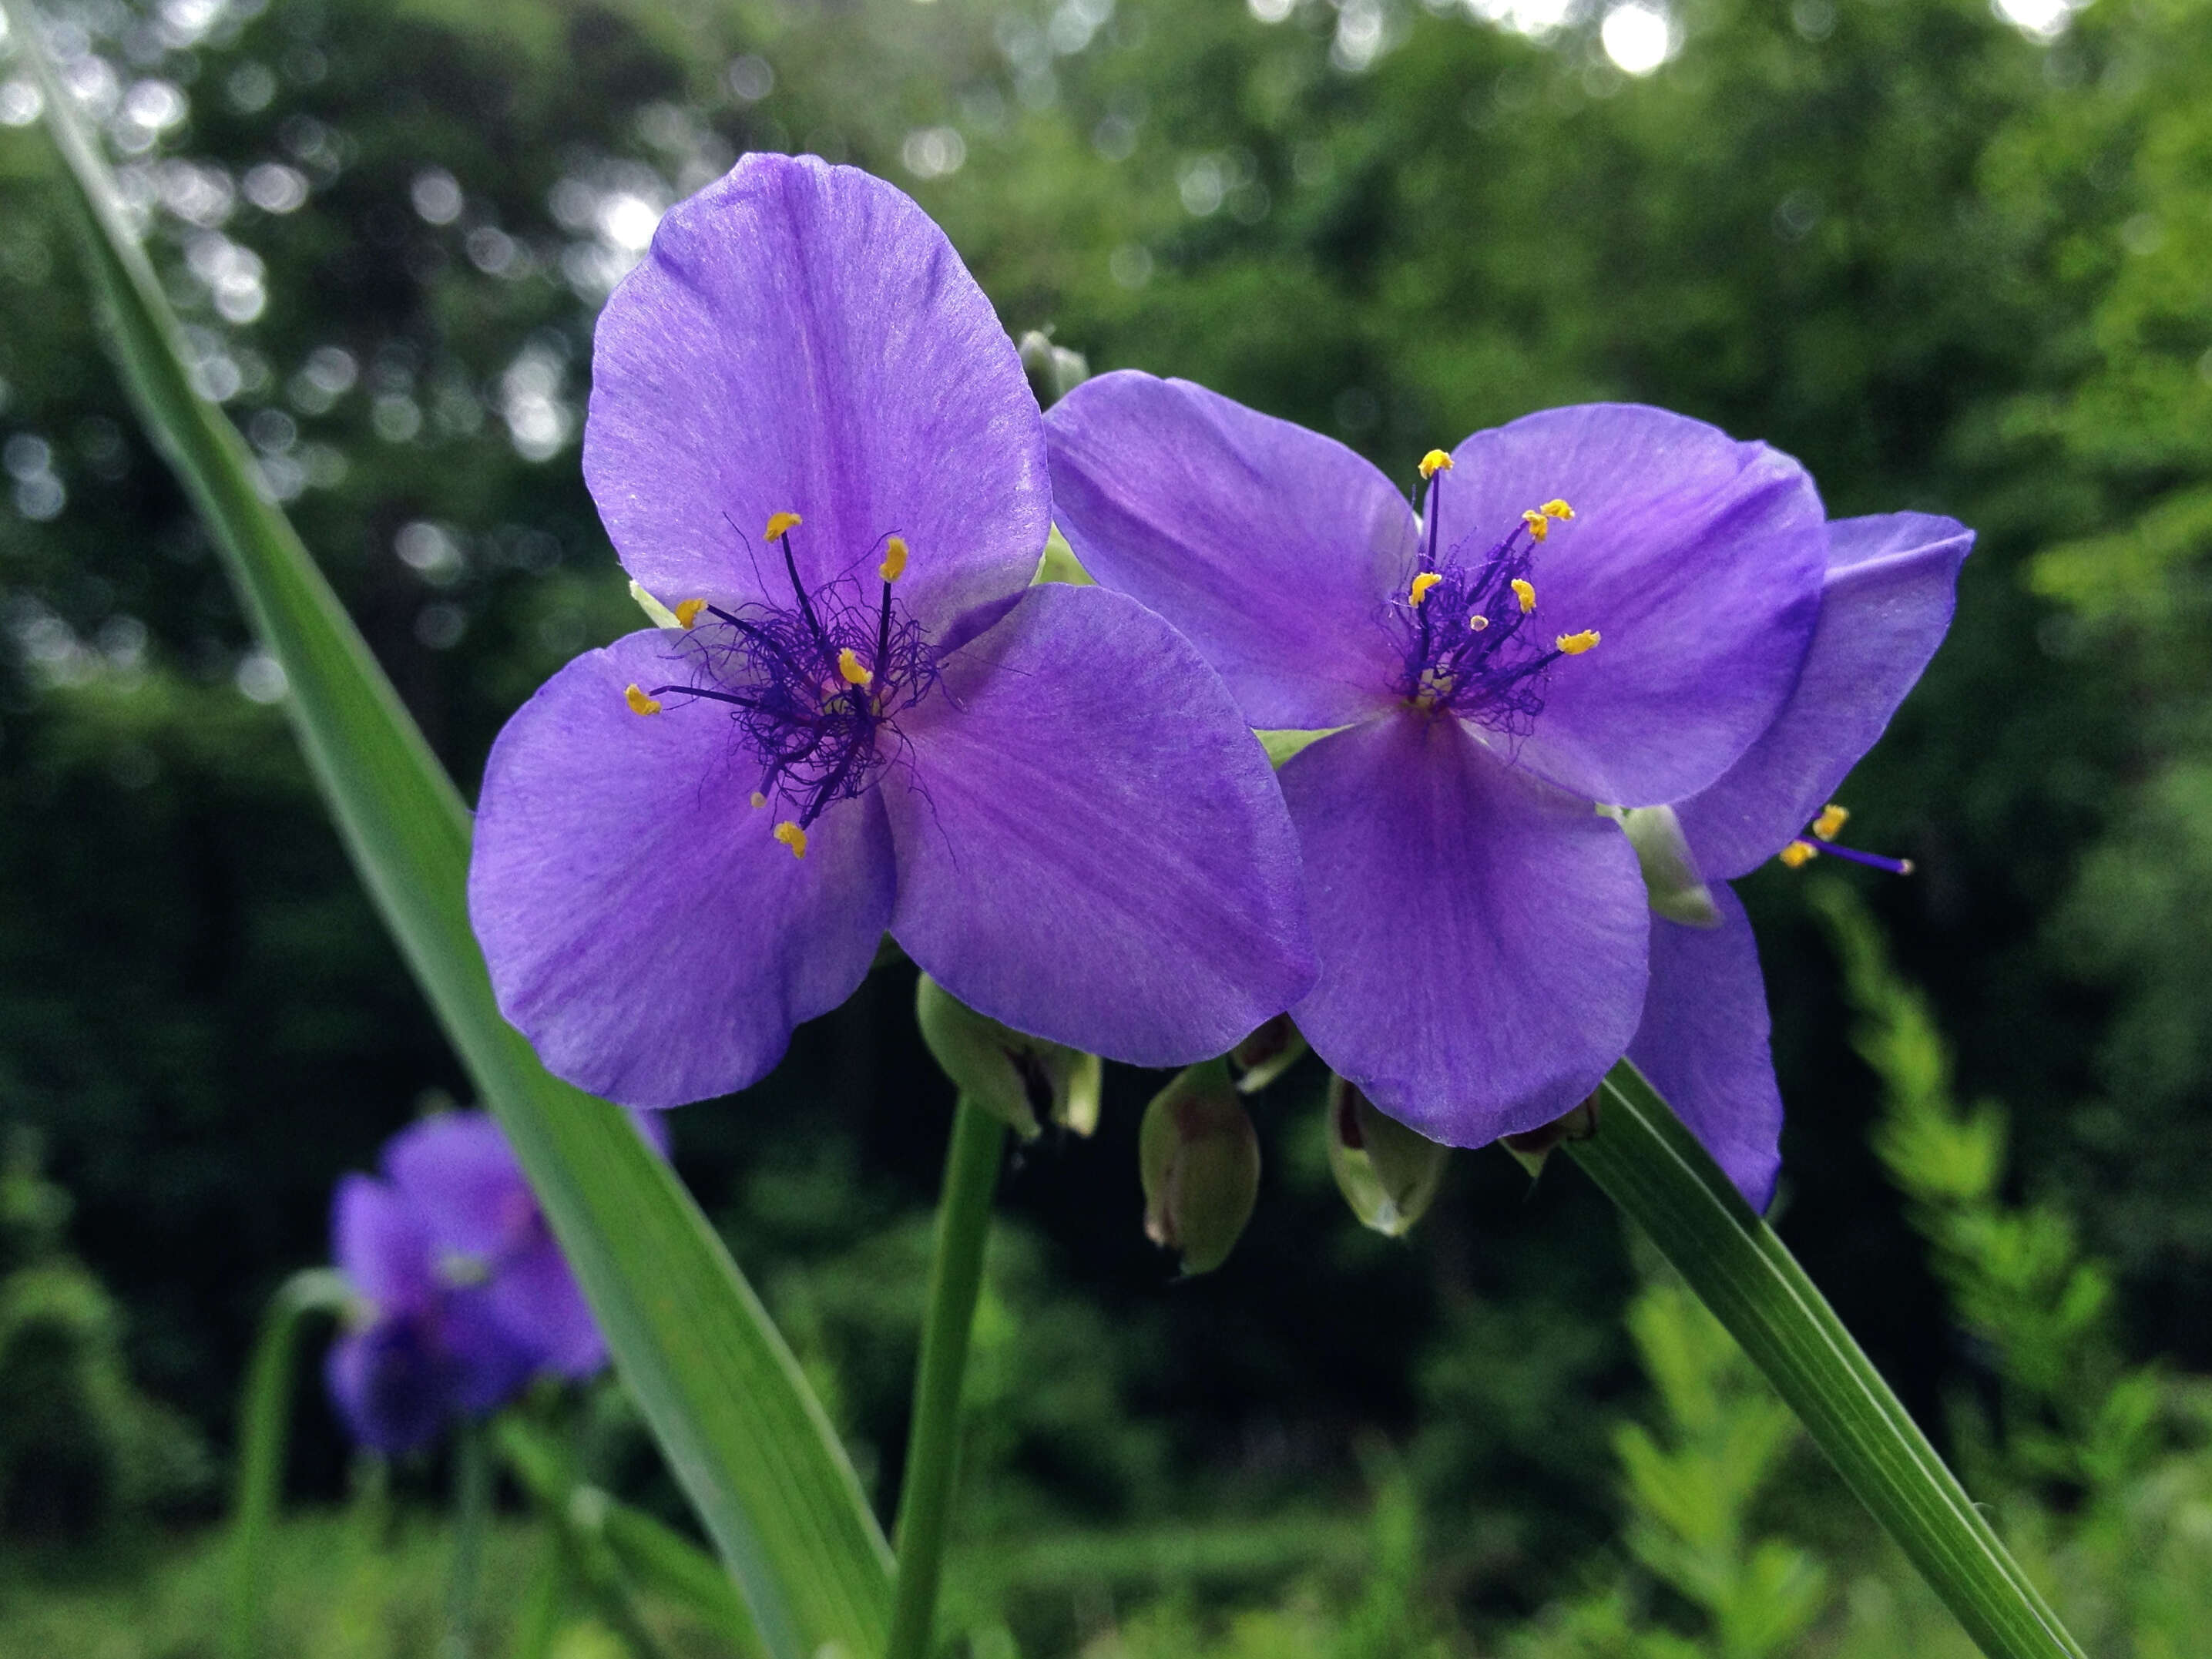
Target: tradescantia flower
1885 603
816 451
463 1296
1602 606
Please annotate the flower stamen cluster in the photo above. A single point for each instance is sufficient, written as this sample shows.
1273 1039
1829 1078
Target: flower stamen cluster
1470 648
816 690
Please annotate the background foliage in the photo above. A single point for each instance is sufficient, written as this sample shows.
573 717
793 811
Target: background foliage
1952 264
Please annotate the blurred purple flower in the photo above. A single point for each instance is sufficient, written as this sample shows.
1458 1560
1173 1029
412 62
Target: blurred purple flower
464 1295
1606 605
815 449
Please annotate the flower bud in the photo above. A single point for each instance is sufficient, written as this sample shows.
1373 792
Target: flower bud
1013 1076
1201 1164
1054 371
1672 881
1266 1054
1387 1172
1530 1148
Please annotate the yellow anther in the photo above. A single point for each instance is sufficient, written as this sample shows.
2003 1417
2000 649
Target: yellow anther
1525 591
757 800
1831 822
1477 622
1556 509
1799 853
688 612
792 836
851 670
1422 584
1434 462
1539 525
639 703
894 564
1575 644
781 523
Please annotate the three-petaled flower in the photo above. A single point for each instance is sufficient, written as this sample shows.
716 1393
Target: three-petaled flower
1601 606
462 1295
816 451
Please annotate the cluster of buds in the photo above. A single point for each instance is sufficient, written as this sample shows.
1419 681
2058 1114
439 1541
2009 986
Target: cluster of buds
1198 1152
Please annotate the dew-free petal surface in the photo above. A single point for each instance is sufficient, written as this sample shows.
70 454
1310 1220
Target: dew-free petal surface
379 1243
1091 847
1272 548
803 338
1891 584
1697 558
1703 1043
1482 935
457 1171
644 929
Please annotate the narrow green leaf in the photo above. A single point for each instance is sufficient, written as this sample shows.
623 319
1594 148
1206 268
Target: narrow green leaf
264 1433
722 1392
1650 1164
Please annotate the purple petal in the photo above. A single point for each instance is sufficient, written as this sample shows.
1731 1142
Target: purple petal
535 1299
643 927
459 1173
1704 1044
802 338
1697 558
1482 935
1891 582
489 1366
1091 848
380 1244
1271 548
392 1386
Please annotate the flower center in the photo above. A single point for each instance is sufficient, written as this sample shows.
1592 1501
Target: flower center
1472 644
814 689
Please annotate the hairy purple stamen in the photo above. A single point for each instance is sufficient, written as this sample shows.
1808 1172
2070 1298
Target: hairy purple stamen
1471 643
815 690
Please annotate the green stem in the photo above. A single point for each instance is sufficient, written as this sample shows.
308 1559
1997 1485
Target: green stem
1655 1170
955 1276
539 1621
264 1430
471 1519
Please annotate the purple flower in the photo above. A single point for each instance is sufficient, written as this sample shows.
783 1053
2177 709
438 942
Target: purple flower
813 445
1604 606
464 1295
1886 603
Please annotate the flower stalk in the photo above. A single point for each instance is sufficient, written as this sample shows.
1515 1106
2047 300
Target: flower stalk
955 1279
1650 1164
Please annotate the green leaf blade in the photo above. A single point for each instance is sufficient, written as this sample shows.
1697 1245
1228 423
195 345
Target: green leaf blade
1650 1164
722 1392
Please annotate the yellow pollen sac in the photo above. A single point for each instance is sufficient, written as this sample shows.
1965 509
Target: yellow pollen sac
1575 644
1477 622
782 523
1525 591
1434 462
1556 509
1831 822
758 800
1422 584
1539 525
850 669
894 564
639 703
792 836
1798 855
688 612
